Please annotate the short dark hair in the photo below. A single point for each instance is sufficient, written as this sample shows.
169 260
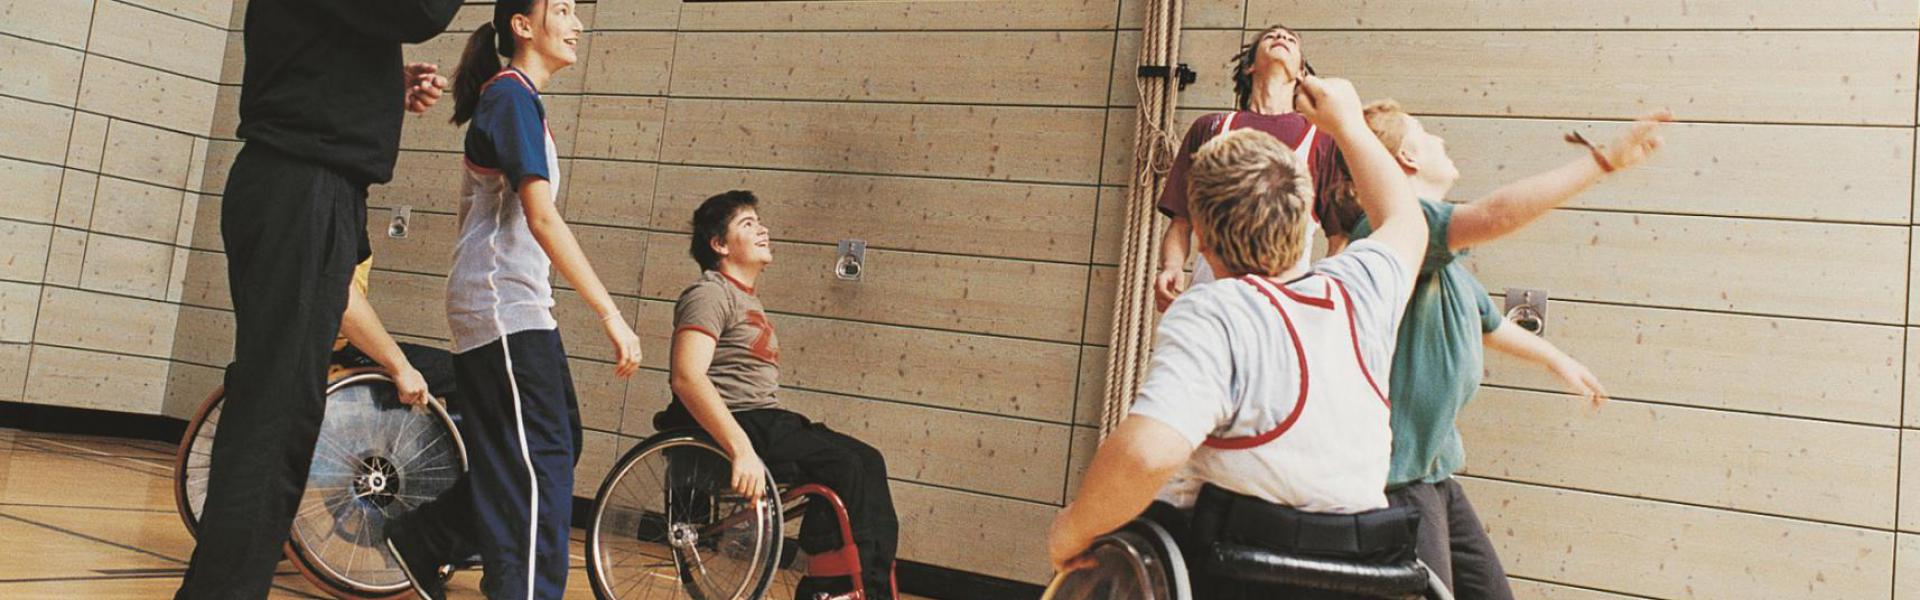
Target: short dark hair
710 223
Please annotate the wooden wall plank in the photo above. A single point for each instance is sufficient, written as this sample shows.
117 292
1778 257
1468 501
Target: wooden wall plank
19 310
23 251
1004 297
1540 590
1017 378
1909 518
1197 14
135 35
1789 467
138 210
1911 412
899 15
602 395
1014 220
212 12
1654 549
43 72
29 191
204 336
1706 263
1117 158
622 128
1051 68
610 192
87 147
1564 14
426 181
637 14
1208 52
1855 77
72 378
63 22
14 359
188 387
125 90
1906 583
623 62
36 132
1022 144
125 266
943 527
984 453
410 304
147 154
84 319
1857 174
428 247
1815 369
66 255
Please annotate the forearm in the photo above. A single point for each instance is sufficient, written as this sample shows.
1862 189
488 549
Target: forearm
557 240
1516 204
1175 245
696 391
1512 340
1124 477
363 329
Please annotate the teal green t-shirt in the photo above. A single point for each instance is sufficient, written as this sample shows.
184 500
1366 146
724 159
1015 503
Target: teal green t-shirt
1439 358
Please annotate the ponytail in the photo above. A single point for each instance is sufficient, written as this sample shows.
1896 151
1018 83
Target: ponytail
478 64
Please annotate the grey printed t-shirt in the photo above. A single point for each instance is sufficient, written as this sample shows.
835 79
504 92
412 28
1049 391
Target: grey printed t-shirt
746 353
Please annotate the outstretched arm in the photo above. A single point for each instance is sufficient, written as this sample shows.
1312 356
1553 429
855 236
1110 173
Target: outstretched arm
1516 204
1511 339
1380 186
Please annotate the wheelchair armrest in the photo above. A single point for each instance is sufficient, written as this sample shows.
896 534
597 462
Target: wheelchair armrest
1258 565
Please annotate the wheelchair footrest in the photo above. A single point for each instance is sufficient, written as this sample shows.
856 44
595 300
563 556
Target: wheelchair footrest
1258 565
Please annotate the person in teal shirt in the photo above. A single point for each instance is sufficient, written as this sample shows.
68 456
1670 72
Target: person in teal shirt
1439 358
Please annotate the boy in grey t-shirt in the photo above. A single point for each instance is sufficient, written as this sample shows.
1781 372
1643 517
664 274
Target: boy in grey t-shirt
725 373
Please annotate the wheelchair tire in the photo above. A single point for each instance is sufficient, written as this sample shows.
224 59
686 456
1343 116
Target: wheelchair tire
665 523
1137 562
375 459
191 462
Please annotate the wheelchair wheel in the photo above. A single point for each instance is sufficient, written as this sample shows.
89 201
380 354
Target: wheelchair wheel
666 524
191 462
375 459
1138 562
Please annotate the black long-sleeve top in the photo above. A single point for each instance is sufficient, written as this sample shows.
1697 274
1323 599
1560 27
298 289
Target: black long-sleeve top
324 79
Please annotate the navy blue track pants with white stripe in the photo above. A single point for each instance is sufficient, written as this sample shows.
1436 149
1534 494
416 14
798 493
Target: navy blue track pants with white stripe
521 423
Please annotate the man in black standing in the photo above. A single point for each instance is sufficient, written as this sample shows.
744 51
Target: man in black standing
321 105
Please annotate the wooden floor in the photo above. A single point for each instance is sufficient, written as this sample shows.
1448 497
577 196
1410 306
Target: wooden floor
90 517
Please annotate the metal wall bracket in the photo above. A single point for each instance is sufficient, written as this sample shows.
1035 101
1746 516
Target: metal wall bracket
1184 74
852 262
402 221
1528 309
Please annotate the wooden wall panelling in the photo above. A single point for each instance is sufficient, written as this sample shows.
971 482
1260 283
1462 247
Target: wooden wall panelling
176 45
1906 581
1004 297
23 251
943 527
1005 376
218 13
1648 548
61 22
629 62
125 90
1209 52
1853 77
43 72
1816 369
1052 68
19 310
984 218
971 451
29 191
1684 15
1197 14
13 371
1706 263
36 132
998 142
1851 174
1797 468
127 266
899 15
72 378
84 319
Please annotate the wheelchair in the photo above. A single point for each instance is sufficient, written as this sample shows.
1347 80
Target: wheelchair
666 523
1141 561
374 460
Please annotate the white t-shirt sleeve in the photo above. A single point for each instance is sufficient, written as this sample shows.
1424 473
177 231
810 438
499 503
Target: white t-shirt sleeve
1379 282
1188 384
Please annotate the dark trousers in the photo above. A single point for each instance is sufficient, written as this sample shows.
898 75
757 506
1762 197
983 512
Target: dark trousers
853 470
515 505
1452 541
293 232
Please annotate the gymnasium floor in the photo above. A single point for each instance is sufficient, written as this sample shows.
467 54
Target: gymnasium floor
91 517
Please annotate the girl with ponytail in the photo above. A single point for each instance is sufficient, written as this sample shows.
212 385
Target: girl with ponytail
522 420
1265 74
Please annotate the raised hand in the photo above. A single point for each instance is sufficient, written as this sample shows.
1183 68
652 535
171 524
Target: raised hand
1638 143
1328 102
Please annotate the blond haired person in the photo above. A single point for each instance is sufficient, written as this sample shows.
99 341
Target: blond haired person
1267 386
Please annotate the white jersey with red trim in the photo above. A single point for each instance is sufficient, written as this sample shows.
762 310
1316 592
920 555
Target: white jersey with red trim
499 284
1282 388
1203 272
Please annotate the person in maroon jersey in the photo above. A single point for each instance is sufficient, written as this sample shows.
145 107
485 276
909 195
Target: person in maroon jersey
1265 74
